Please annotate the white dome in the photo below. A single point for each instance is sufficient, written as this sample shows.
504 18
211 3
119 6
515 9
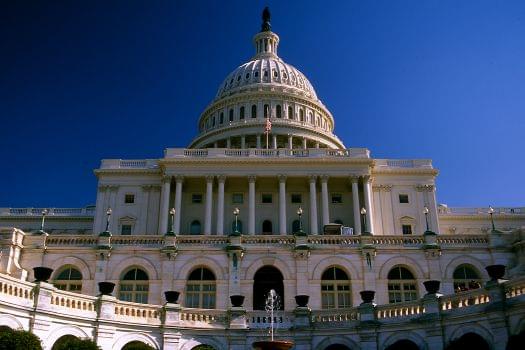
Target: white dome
266 71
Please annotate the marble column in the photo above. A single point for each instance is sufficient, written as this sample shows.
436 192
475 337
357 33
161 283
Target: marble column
251 205
220 204
313 205
178 203
228 143
274 141
282 204
258 138
355 204
290 141
304 143
243 142
209 204
324 199
367 192
164 205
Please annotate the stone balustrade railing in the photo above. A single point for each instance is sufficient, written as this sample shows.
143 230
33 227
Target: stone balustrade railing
262 319
464 299
87 211
397 310
204 318
335 316
268 153
446 210
137 313
68 302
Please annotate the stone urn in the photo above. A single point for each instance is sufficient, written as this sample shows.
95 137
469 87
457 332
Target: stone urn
171 296
272 345
432 286
496 272
237 300
106 288
302 300
367 296
42 273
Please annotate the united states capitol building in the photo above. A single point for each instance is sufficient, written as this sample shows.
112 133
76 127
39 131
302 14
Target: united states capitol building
265 197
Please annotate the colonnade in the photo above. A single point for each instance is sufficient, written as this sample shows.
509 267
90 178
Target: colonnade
313 214
260 142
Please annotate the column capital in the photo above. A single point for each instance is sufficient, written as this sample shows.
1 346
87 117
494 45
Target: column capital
353 178
281 177
166 178
221 178
113 188
324 178
179 178
146 188
103 188
312 178
366 178
209 178
251 178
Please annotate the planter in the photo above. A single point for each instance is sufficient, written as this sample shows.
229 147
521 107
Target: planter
367 295
42 273
237 300
106 288
302 300
432 286
496 272
272 345
171 296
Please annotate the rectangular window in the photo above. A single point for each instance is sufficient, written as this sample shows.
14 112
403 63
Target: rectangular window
196 198
407 229
266 198
297 198
129 199
337 198
125 230
403 198
237 198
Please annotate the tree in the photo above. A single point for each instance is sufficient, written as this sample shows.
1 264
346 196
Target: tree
69 342
137 345
18 340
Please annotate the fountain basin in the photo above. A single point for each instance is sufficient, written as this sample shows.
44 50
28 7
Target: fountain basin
272 345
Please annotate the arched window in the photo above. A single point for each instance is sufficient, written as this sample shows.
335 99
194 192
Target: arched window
266 111
335 289
239 225
290 112
278 111
466 277
301 115
195 227
201 289
69 279
231 115
134 286
213 121
401 285
241 113
221 118
267 227
296 226
254 111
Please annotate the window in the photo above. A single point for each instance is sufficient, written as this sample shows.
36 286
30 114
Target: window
134 286
247 76
196 198
266 198
278 111
201 289
335 289
401 285
213 121
195 227
407 229
297 198
129 198
126 229
231 115
265 72
290 112
267 227
221 118
465 278
301 115
254 111
241 113
337 198
237 198
256 74
266 111
403 198
70 279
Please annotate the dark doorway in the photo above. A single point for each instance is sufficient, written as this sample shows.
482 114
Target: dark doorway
265 279
468 341
403 344
516 341
337 347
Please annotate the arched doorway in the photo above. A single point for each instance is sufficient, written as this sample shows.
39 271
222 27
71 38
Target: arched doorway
403 344
468 341
266 279
137 345
63 341
337 347
516 341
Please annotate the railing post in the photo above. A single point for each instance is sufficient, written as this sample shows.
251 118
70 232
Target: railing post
431 319
495 310
41 323
105 329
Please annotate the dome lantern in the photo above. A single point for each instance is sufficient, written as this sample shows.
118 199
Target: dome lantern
266 41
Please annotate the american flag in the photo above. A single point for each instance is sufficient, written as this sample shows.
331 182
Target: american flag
268 126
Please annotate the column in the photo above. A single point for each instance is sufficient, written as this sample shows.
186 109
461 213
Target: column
304 143
178 202
258 137
367 184
313 205
228 143
209 199
324 199
274 141
144 210
282 204
164 205
290 141
215 145
251 205
220 205
243 142
317 144
357 208
433 213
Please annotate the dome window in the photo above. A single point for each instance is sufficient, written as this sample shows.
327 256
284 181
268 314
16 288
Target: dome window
213 121
241 113
265 73
221 118
285 76
254 111
290 112
278 111
247 76
266 111
275 73
231 115
256 74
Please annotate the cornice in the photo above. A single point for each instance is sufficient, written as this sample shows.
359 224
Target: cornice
135 171
406 171
250 160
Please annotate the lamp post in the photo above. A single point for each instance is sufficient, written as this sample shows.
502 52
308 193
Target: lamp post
363 218
425 211
44 213
491 213
236 212
172 222
300 214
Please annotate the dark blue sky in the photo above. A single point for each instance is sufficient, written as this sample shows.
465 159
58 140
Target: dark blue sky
86 80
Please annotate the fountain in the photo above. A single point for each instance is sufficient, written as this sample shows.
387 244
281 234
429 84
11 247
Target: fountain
273 303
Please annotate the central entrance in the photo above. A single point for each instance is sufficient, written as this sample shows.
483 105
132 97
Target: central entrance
266 279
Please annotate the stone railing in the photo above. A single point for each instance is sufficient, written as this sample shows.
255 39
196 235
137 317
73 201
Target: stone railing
87 211
334 240
398 310
268 240
137 313
335 316
462 240
17 292
464 299
266 153
515 288
129 164
68 302
262 319
446 210
403 163
204 318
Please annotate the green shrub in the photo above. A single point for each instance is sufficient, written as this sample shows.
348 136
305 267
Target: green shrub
18 340
69 342
137 345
